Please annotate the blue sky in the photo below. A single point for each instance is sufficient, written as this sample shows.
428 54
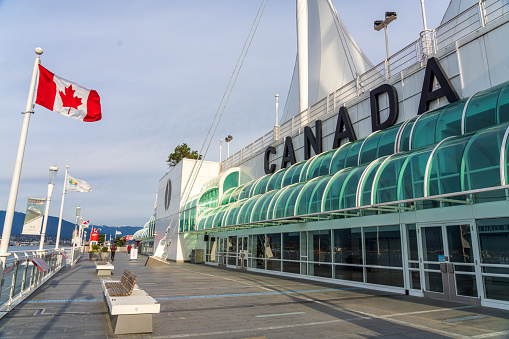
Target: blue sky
160 68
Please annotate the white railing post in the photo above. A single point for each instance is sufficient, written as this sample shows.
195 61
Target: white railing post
482 12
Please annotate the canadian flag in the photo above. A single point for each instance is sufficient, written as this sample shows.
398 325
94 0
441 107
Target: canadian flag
66 97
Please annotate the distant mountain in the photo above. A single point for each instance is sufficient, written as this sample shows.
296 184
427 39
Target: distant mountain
67 227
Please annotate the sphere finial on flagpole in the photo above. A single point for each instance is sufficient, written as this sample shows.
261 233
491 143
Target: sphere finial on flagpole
38 50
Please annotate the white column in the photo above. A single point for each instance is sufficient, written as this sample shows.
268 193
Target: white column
13 195
302 52
57 242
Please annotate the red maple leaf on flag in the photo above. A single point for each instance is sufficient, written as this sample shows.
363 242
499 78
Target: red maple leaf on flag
69 100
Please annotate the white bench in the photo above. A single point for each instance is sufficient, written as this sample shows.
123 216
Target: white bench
103 268
133 313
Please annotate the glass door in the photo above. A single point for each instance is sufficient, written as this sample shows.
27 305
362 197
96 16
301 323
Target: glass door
242 252
448 269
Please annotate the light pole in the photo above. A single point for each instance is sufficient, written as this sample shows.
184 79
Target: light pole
228 139
277 104
220 150
379 24
51 184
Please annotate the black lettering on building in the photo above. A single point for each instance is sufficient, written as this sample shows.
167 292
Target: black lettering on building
313 141
375 107
435 70
344 128
288 153
272 168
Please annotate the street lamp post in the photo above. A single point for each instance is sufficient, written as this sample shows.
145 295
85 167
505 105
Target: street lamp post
379 24
51 184
220 150
228 139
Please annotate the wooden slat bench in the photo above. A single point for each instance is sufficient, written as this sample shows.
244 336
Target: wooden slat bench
103 268
130 307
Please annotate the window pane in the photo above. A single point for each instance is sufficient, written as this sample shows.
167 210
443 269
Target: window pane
273 246
291 267
494 240
460 244
319 245
291 248
351 273
382 276
320 270
383 246
348 246
413 253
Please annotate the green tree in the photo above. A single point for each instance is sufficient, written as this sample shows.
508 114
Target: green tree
101 238
181 152
120 241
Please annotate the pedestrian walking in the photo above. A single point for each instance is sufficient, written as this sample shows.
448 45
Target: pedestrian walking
129 249
113 249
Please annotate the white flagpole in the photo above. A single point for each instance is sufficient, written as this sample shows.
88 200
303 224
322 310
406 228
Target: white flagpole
11 204
57 242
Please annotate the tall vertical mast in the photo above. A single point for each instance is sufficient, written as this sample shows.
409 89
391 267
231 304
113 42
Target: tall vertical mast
302 52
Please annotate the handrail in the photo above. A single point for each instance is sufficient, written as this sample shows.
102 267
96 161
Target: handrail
22 276
430 42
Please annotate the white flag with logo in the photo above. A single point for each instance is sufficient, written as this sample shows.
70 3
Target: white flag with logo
77 185
118 232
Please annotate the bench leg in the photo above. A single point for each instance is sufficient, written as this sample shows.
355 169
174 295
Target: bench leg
103 272
131 323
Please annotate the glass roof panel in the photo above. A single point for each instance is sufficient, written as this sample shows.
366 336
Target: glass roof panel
413 171
449 121
338 160
304 171
481 162
233 213
292 176
261 207
352 157
424 129
218 219
246 210
285 206
387 141
348 197
310 199
321 165
482 109
276 180
232 180
333 191
445 166
246 190
261 186
503 105
369 150
367 184
275 199
506 163
404 141
236 193
225 200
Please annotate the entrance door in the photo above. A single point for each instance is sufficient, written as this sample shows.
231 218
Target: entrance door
449 263
242 252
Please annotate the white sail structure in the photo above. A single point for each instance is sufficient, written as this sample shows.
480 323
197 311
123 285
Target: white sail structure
333 57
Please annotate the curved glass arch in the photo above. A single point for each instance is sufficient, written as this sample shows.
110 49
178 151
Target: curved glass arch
292 176
506 160
379 144
488 108
320 166
234 196
261 186
338 159
276 180
208 199
401 177
273 202
225 200
285 206
202 218
444 166
352 157
304 172
233 213
310 199
449 122
218 219
246 210
341 191
231 180
480 165
246 190
423 134
404 139
261 207
366 185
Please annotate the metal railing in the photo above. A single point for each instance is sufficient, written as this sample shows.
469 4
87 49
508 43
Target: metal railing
416 53
22 277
